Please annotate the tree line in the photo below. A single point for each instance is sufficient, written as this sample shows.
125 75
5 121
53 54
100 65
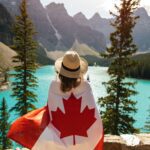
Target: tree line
142 69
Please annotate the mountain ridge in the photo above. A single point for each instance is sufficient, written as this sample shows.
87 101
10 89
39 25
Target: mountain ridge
48 34
70 30
141 32
58 31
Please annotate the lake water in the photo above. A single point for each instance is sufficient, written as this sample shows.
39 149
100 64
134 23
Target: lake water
97 75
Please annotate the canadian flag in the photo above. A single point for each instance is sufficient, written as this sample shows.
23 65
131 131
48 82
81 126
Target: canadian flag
70 121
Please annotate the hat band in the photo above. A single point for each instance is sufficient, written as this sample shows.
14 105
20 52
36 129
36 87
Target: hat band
68 69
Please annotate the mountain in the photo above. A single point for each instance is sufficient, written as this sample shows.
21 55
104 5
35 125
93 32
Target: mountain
70 30
56 30
80 18
5 25
141 31
101 24
12 6
6 55
84 51
96 22
92 56
45 32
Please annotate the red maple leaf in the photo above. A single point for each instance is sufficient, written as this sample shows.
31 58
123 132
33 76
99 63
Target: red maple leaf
73 122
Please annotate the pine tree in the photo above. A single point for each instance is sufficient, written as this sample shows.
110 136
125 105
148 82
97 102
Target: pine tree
118 107
25 81
5 143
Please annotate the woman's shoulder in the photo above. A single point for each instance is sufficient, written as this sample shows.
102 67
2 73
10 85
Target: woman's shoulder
83 87
54 85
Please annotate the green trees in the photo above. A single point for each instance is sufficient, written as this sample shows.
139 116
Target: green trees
25 81
142 70
5 143
118 105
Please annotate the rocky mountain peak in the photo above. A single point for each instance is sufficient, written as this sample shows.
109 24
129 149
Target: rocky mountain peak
80 19
80 15
57 8
96 17
142 12
35 3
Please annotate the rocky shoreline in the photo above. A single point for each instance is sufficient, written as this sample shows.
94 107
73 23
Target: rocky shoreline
127 142
4 86
124 142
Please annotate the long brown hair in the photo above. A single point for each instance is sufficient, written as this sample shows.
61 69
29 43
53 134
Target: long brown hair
68 83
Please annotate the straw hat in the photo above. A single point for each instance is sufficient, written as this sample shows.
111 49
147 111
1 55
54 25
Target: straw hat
71 65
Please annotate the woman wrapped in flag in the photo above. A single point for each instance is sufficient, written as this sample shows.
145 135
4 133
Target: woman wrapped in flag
71 120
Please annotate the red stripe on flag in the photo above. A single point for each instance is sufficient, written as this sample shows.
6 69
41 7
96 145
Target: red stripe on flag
100 144
33 123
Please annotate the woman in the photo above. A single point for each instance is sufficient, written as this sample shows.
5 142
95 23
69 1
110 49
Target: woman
71 121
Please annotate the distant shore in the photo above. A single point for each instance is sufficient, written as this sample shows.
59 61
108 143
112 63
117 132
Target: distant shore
4 86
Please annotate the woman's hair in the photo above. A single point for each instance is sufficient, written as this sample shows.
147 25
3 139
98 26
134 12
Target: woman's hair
68 83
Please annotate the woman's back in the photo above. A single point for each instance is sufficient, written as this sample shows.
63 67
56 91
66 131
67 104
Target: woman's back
75 122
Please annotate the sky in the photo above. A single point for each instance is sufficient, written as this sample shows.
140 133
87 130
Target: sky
90 7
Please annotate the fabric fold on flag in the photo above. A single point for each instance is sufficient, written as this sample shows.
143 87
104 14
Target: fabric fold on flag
27 129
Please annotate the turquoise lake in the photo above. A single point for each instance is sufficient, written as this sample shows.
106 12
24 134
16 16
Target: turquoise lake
97 75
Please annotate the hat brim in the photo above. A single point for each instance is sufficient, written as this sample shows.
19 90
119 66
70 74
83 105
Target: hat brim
83 68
